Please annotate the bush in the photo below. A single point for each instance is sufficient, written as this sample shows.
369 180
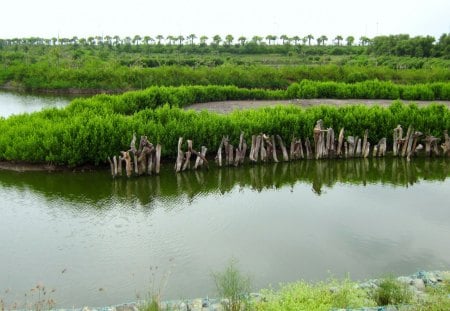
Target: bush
233 286
392 292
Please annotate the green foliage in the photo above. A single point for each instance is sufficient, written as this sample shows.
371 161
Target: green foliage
321 296
392 292
370 89
91 129
232 285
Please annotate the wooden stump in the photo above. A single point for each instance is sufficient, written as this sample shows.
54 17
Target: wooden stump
446 145
180 156
340 142
283 148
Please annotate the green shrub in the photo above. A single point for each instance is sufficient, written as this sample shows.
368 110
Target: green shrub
232 285
392 292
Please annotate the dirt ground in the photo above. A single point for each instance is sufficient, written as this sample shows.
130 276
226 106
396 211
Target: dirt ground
228 106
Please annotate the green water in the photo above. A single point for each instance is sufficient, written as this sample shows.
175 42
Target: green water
101 241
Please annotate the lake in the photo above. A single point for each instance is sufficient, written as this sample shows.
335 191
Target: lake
16 103
102 241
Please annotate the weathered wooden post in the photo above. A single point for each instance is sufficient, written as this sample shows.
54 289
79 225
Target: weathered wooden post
283 148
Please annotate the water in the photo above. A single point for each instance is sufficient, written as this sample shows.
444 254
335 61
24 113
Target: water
12 103
100 241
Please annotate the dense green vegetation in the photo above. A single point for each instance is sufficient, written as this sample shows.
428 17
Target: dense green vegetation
114 64
90 130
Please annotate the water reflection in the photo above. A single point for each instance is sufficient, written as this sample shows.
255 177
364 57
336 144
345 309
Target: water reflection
97 188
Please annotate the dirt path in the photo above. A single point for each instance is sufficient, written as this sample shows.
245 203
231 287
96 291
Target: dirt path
228 106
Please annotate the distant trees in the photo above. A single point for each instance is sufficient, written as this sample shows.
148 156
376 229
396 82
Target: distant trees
395 45
350 40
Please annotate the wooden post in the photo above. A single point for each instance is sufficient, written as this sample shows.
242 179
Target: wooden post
283 149
115 165
358 148
367 150
187 160
180 156
230 156
274 150
263 152
406 141
309 153
351 146
340 141
199 161
111 165
382 147
158 158
252 149
364 142
397 140
446 145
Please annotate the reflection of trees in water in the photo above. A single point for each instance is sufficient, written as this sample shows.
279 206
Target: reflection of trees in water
96 189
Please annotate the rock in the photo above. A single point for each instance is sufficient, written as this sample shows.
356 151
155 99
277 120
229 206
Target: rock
405 280
418 284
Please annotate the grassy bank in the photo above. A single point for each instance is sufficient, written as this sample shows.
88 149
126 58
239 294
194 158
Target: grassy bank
89 130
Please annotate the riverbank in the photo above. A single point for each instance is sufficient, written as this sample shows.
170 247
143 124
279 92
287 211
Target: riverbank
430 289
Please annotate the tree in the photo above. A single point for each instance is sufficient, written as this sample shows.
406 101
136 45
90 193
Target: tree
338 39
191 38
147 39
285 39
271 38
180 39
203 40
90 40
309 37
350 40
296 39
159 38
171 39
217 39
257 39
99 40
108 40
364 40
242 40
323 38
137 39
229 39
116 40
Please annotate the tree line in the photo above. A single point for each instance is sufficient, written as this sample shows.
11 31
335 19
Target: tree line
394 45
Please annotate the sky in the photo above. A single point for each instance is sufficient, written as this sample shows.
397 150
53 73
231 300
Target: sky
83 18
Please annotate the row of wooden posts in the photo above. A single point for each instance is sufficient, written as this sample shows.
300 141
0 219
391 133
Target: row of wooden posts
263 148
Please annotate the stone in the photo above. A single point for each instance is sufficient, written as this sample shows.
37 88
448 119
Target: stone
405 280
419 284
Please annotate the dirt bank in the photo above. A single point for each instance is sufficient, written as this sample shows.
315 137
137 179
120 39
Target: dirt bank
228 106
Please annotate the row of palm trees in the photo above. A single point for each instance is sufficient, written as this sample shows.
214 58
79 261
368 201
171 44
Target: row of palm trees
191 39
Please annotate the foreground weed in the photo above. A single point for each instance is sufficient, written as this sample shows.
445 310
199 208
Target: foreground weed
232 285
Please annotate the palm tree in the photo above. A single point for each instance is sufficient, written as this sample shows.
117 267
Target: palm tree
91 40
319 41
296 39
147 39
99 40
257 39
180 39
82 41
364 40
127 40
170 39
242 40
285 39
271 38
338 39
137 39
229 39
323 38
203 40
192 37
309 38
116 40
159 38
217 39
108 40
350 40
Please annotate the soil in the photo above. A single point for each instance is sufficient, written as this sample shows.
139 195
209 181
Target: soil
228 106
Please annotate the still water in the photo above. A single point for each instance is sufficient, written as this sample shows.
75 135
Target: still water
99 241
13 103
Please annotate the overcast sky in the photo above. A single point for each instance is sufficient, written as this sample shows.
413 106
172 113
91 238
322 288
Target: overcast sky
83 18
